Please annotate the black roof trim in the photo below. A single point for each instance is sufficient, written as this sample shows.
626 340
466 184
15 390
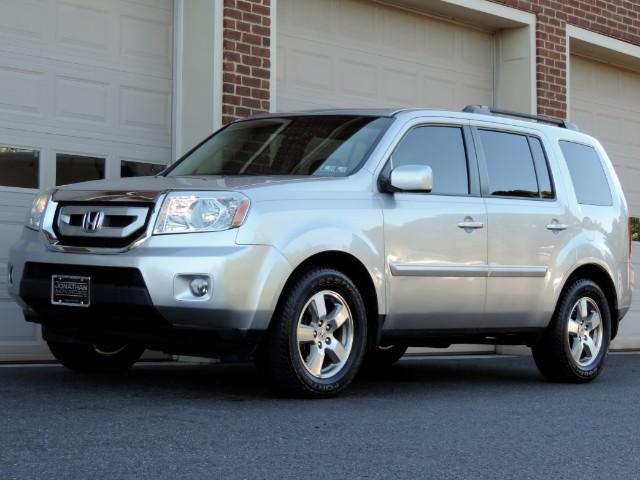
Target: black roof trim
486 110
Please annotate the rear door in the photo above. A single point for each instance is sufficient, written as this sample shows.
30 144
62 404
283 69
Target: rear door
528 226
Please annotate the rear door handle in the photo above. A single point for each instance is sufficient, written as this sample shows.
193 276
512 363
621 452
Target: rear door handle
557 227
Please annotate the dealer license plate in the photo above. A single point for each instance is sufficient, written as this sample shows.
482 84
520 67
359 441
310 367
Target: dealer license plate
71 290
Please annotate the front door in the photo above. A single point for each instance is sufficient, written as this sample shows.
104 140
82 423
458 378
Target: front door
436 243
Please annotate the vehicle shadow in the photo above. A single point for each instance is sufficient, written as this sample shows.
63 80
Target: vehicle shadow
242 382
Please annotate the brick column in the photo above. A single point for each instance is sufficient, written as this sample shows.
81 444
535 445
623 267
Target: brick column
246 58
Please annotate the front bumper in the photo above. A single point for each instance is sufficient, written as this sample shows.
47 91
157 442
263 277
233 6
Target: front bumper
247 280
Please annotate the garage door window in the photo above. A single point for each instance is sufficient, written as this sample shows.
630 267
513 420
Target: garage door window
587 174
78 168
19 167
139 169
442 148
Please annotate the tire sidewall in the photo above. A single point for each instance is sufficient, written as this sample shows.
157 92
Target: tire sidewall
341 284
586 288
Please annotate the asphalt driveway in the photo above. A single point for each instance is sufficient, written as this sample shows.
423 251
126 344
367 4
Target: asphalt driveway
451 418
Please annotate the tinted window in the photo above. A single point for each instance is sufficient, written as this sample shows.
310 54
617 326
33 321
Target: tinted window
442 148
78 168
19 167
587 174
542 168
509 164
321 145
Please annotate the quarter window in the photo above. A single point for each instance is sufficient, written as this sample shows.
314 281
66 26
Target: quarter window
442 148
510 165
588 177
19 167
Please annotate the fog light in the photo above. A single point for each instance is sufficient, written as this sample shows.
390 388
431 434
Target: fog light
199 287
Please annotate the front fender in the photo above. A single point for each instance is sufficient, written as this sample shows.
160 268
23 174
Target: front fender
301 229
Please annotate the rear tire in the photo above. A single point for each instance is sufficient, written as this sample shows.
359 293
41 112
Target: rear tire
88 358
317 338
575 345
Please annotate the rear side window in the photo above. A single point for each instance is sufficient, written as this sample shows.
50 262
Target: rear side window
510 164
588 177
442 148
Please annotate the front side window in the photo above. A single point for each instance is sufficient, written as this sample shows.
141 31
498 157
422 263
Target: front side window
319 145
442 148
510 165
19 167
588 177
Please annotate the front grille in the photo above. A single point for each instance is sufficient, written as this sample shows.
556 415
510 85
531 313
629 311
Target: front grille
100 225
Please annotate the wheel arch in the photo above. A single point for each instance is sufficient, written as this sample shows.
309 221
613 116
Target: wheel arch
355 269
602 277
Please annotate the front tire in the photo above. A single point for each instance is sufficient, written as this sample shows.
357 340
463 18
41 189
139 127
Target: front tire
86 358
317 338
575 345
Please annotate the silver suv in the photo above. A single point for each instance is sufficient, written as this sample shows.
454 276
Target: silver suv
318 241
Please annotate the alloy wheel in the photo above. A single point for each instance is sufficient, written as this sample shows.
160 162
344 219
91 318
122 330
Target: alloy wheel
585 332
324 334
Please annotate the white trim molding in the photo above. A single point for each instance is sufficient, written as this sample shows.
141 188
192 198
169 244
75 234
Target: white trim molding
197 73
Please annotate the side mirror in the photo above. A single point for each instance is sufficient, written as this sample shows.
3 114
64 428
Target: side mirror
412 178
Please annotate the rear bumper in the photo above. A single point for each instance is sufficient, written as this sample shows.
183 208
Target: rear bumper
136 291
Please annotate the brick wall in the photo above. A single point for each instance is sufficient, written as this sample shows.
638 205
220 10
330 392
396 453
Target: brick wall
246 58
247 47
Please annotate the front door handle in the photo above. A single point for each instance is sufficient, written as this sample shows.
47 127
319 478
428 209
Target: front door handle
557 227
469 224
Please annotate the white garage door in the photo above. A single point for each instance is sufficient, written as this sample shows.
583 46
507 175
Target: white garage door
85 92
358 53
605 102
353 53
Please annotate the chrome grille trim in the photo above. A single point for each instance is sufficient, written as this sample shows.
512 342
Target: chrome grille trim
137 216
53 243
106 196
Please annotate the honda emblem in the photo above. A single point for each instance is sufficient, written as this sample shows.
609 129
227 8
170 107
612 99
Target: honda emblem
92 221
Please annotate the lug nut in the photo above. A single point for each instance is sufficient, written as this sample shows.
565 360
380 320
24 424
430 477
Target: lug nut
315 333
327 341
319 344
328 327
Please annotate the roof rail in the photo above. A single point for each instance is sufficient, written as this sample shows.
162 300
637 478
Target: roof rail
485 110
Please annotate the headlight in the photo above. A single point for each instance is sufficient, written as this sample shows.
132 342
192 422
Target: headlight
38 207
185 212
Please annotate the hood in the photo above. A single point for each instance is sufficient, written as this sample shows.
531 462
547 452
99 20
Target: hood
252 186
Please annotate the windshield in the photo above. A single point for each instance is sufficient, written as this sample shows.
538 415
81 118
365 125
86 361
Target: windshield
323 145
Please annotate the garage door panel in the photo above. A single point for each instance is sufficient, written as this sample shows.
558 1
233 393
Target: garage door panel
85 77
22 90
378 56
605 102
22 19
